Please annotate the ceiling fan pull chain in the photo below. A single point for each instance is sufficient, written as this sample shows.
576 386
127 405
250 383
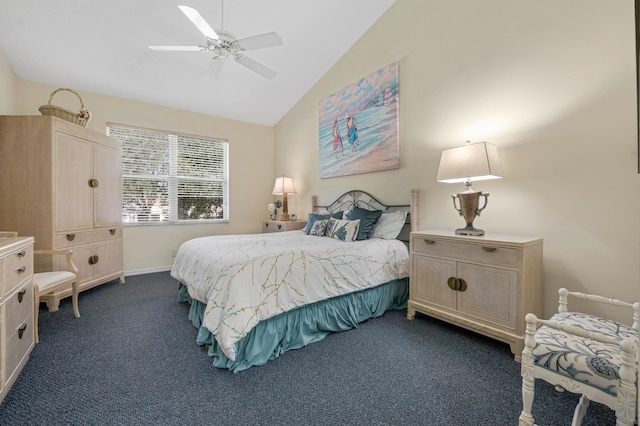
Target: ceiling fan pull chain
222 15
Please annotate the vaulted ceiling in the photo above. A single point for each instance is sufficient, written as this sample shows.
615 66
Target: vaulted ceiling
102 47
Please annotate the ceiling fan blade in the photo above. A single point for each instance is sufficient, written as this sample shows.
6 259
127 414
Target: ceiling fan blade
256 67
260 41
179 48
215 66
197 19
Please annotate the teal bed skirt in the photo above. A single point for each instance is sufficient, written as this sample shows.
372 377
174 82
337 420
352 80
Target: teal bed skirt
299 327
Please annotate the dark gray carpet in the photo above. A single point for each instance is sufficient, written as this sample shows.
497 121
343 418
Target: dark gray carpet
131 359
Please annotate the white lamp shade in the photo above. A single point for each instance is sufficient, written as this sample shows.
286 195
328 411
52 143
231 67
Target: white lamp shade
478 161
284 185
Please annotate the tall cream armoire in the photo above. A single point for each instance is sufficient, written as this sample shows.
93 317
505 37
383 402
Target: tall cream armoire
62 184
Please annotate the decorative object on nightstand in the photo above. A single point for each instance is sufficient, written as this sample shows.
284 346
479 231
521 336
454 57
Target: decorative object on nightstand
468 163
273 212
284 186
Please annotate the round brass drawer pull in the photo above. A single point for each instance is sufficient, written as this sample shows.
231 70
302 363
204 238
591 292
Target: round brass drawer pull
457 284
71 237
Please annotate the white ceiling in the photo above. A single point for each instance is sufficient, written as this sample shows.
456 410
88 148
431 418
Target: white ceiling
102 47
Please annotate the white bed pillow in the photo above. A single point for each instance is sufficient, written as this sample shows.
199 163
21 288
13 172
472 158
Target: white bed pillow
345 230
389 225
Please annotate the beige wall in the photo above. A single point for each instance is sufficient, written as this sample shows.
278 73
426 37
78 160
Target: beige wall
148 248
550 82
7 86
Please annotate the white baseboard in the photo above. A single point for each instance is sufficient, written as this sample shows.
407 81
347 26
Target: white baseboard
147 271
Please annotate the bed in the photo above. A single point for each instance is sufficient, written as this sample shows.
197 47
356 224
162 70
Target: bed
253 297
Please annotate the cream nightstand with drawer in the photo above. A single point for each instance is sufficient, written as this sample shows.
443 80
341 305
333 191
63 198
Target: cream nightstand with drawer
16 307
282 225
486 284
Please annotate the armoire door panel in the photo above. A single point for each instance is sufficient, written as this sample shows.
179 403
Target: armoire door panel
73 195
109 258
81 257
108 172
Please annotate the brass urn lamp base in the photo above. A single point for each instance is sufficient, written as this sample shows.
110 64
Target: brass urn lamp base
285 208
471 162
470 230
469 209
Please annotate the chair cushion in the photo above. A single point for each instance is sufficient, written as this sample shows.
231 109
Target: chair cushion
46 280
581 359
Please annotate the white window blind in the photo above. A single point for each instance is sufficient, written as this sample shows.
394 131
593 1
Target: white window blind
168 177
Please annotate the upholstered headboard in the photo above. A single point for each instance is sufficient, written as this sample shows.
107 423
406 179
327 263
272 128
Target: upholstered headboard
364 200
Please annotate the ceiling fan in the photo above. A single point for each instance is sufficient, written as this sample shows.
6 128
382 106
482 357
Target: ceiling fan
224 46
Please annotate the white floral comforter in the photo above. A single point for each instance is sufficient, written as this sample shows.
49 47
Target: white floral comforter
244 279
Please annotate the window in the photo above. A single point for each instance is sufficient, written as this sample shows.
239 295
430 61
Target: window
172 178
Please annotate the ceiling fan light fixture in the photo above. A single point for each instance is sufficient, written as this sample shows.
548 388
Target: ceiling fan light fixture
224 45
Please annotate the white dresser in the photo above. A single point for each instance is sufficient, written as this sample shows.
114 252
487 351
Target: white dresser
16 308
486 284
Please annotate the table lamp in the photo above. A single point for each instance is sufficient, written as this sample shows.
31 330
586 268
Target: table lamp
284 186
468 163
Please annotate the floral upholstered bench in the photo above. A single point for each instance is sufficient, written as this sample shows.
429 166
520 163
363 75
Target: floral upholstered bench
586 354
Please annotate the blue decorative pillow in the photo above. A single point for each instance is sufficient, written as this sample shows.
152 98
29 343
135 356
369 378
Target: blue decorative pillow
345 230
312 217
368 219
319 228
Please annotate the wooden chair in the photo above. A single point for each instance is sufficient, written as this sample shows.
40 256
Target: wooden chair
584 354
48 282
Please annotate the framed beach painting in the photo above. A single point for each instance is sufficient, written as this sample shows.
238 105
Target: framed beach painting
359 126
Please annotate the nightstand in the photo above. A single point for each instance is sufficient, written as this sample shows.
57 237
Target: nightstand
282 225
486 284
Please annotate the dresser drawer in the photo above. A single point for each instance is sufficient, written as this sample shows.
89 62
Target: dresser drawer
19 305
19 344
16 267
489 253
79 238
